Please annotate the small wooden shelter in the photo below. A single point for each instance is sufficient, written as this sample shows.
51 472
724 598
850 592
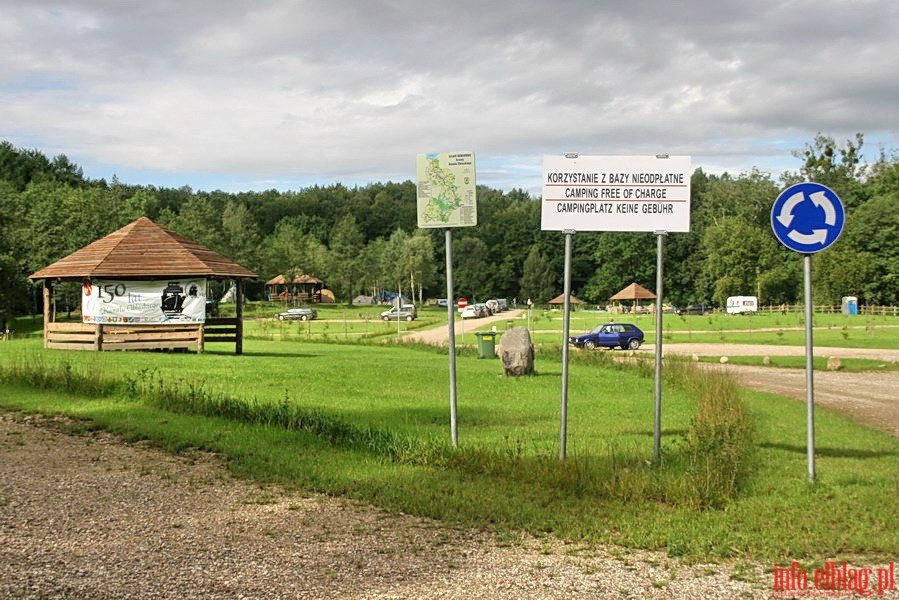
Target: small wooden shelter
142 251
299 288
634 292
560 299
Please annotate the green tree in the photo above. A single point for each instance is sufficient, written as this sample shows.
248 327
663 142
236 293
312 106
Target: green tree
471 274
198 220
417 259
240 235
392 268
538 282
869 242
737 253
620 258
344 266
838 272
837 167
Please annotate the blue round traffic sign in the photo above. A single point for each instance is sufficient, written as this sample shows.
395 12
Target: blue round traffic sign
807 217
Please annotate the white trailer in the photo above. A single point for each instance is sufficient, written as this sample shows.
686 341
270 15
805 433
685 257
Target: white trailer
742 304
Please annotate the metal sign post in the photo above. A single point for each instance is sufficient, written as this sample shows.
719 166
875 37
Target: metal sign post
807 218
446 197
566 314
657 422
451 336
809 369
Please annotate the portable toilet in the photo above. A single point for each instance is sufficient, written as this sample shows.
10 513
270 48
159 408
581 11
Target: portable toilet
850 305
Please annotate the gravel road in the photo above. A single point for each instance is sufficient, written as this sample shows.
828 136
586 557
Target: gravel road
870 398
87 517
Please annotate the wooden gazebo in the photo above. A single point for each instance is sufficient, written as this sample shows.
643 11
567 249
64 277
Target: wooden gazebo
560 299
635 292
300 287
143 254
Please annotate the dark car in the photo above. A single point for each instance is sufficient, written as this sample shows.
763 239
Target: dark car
609 335
303 313
695 309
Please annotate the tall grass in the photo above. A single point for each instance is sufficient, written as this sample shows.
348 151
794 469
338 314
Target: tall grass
719 442
193 397
703 471
65 376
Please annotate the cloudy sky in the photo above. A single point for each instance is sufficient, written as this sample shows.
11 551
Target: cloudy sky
239 95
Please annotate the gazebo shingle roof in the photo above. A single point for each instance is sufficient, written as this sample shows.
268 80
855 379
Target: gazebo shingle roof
634 291
143 249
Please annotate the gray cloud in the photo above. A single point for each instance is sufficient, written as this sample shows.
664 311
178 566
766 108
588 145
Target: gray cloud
352 90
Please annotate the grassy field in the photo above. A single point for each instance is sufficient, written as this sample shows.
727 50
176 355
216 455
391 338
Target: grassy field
372 422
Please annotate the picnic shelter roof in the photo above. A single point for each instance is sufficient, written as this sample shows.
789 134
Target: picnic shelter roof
634 291
143 250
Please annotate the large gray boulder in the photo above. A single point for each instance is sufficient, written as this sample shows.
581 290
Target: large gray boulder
517 352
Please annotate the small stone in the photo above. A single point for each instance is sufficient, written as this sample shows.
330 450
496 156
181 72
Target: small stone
724 360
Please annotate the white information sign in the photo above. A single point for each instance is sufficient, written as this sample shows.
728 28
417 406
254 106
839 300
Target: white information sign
616 193
144 302
446 194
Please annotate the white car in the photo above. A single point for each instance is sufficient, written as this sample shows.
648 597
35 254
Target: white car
470 312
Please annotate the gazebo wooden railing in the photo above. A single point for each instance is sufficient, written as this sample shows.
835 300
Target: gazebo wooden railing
89 336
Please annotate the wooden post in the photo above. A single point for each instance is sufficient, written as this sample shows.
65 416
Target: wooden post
98 337
238 344
200 341
46 314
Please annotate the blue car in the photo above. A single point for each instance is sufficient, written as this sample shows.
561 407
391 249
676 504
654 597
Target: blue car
609 335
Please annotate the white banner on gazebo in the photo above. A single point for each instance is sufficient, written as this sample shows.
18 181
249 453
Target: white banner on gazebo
144 302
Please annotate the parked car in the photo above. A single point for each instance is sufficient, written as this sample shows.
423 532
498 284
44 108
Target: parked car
695 309
609 335
469 312
406 311
474 311
303 313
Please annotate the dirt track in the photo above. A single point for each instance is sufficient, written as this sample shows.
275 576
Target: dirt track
870 398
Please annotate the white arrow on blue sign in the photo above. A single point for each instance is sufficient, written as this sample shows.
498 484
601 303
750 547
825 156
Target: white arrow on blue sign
807 217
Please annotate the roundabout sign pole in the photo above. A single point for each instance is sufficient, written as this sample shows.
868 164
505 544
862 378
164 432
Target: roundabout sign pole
807 218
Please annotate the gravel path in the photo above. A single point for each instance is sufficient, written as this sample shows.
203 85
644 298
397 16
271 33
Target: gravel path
870 398
87 517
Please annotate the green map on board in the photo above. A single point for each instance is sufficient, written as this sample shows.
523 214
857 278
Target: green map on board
446 190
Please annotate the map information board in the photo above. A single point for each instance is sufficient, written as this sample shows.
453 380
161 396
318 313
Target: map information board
616 193
446 195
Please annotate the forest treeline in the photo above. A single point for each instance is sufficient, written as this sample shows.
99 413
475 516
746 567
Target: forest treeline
361 240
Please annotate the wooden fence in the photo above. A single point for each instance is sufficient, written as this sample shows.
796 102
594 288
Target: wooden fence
863 309
85 336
